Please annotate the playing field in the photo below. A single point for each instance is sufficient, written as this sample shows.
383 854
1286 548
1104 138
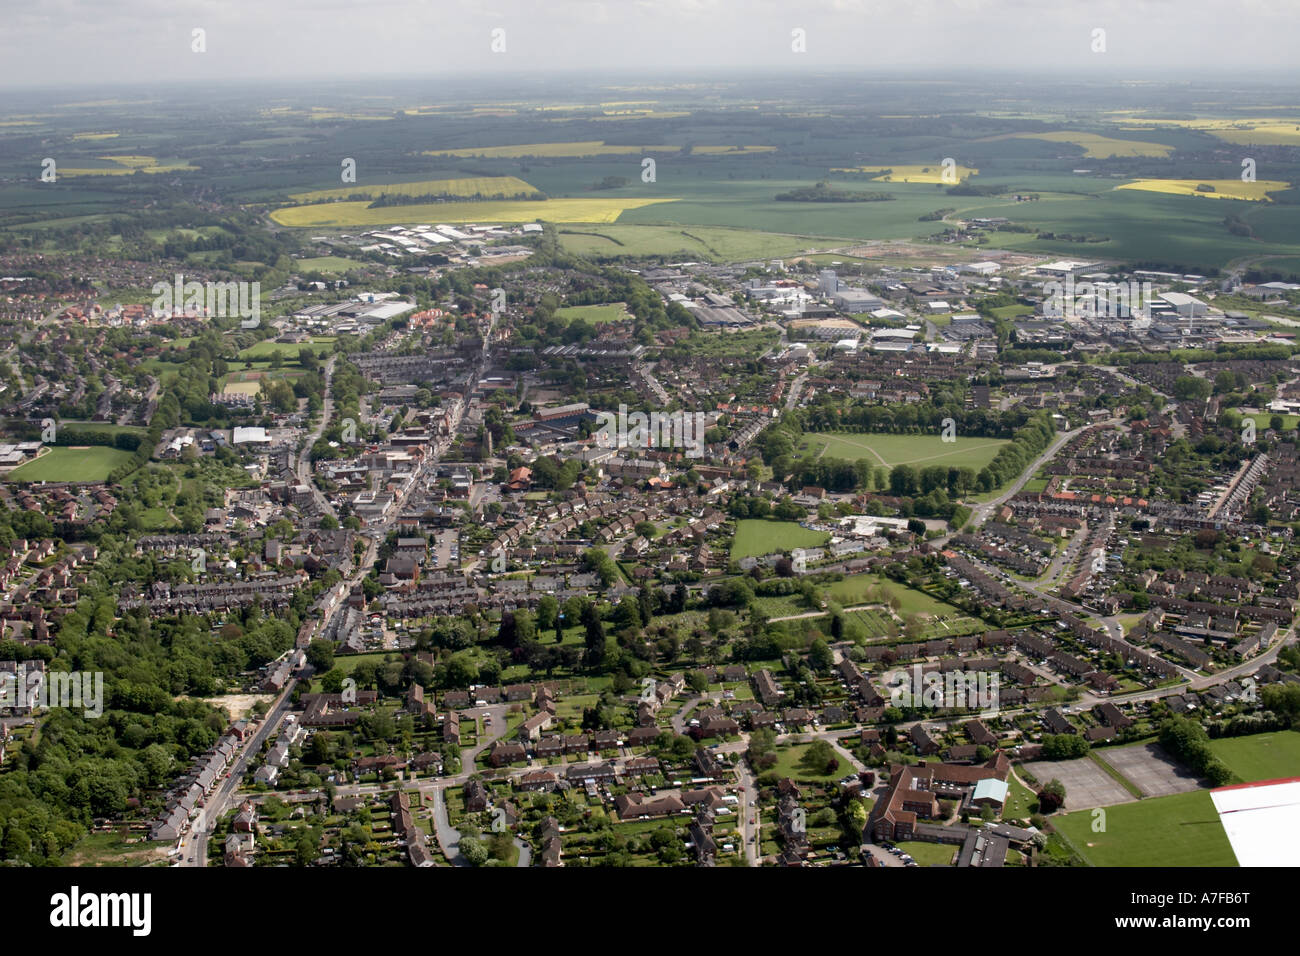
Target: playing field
76 463
1223 188
323 345
890 450
349 214
1182 830
329 264
595 314
756 537
1260 756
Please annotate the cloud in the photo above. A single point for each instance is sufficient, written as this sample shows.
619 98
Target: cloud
61 42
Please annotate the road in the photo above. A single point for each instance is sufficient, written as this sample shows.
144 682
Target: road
981 512
219 801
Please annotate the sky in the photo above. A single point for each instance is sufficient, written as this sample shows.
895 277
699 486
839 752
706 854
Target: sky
47 43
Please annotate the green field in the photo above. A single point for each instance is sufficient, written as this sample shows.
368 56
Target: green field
706 242
919 451
593 314
324 345
756 537
329 264
1289 422
85 463
788 765
1260 756
1181 830
929 854
854 590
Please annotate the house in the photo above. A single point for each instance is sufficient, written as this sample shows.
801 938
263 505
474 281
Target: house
1057 723
531 729
246 818
476 796
922 741
767 689
502 754
637 806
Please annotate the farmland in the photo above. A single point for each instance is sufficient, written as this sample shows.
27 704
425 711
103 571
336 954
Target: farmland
910 173
125 166
485 187
722 244
89 463
892 450
351 214
585 148
1096 146
1222 188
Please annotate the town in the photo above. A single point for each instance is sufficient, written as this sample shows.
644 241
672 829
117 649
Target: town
507 518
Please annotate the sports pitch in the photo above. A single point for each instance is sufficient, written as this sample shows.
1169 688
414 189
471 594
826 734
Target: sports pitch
1180 830
756 537
1260 756
920 451
73 463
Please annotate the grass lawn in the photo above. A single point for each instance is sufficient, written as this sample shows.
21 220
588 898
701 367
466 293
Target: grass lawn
1260 756
1180 830
594 314
890 450
853 589
73 463
756 537
324 346
929 854
329 264
1021 801
1262 419
788 765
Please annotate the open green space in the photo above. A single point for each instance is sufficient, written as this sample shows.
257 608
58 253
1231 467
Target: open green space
789 763
1260 756
929 854
756 537
1179 830
322 345
88 463
874 588
593 314
920 451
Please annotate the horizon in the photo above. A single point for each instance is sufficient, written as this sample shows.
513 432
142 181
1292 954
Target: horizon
148 41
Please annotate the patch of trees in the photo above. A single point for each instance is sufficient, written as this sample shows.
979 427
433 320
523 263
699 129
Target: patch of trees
1189 742
824 192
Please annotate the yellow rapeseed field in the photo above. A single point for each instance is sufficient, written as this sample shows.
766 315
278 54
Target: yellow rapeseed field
1223 188
126 165
901 173
467 187
1260 131
1095 146
352 214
